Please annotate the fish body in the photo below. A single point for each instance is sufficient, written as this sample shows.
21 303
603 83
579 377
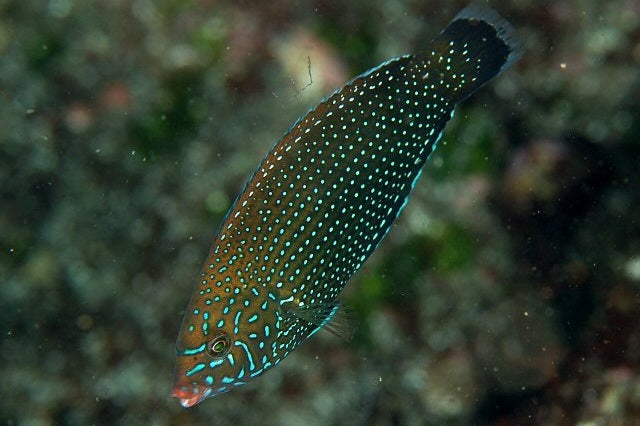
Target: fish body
321 202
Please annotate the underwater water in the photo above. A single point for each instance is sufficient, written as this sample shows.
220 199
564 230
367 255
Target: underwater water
507 292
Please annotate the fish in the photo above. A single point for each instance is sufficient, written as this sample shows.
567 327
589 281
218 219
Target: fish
321 202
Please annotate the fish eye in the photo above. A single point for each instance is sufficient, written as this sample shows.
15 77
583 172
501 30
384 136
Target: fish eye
219 346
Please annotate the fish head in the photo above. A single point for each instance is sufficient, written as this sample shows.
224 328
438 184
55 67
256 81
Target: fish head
201 369
224 345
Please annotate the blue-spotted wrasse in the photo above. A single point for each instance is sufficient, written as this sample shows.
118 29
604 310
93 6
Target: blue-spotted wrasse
321 202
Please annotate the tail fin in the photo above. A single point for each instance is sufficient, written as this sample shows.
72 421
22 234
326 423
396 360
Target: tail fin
477 45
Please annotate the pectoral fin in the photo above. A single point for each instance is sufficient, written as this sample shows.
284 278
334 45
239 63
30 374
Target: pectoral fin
332 317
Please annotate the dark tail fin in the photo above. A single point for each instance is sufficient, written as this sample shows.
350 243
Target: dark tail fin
476 46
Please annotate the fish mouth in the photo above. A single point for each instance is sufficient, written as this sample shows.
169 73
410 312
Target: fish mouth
190 395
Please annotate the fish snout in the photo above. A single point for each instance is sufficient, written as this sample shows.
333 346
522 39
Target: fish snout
190 395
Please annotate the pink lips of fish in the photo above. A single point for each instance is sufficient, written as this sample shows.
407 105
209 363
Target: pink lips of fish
190 395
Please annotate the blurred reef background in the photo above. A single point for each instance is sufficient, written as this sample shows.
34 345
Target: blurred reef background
507 293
